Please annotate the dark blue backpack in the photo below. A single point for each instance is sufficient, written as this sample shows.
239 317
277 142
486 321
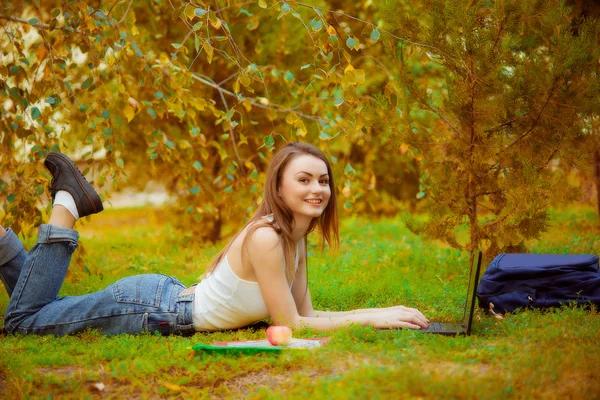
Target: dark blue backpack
514 281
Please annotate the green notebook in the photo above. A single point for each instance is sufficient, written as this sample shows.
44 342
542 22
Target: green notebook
257 346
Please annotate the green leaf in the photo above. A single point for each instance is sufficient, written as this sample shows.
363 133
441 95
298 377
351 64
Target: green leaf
170 144
195 131
351 42
34 21
316 24
254 175
38 190
87 83
82 107
269 141
375 35
14 69
120 163
151 112
338 102
420 195
106 114
11 198
51 100
324 136
198 165
200 11
158 95
195 190
305 66
288 76
349 170
68 86
35 113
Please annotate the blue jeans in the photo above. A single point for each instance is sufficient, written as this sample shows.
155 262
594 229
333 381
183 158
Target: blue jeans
135 304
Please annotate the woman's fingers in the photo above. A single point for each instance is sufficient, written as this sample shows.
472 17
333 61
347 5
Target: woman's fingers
409 325
415 312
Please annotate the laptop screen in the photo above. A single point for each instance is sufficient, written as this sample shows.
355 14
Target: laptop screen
472 289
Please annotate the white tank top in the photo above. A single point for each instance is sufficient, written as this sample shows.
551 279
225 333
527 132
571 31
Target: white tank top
224 301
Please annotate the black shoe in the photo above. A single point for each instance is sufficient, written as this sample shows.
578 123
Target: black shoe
66 176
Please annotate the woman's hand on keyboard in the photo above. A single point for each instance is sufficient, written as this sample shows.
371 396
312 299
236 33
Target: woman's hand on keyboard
399 317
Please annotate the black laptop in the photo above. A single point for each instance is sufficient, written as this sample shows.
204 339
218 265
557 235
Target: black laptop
463 327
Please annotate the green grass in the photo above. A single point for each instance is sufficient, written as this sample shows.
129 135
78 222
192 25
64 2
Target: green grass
529 354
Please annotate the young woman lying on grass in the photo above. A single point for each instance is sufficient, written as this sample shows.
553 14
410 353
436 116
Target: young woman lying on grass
260 273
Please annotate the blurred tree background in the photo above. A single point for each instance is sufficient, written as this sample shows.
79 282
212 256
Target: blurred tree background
482 113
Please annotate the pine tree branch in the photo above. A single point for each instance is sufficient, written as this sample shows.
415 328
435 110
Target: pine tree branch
537 118
436 111
489 192
551 156
504 124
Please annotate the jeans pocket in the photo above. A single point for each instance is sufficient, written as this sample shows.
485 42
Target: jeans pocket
141 289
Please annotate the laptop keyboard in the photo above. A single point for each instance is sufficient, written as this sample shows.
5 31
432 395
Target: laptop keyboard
435 327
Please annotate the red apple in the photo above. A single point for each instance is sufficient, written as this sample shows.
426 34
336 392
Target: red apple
279 335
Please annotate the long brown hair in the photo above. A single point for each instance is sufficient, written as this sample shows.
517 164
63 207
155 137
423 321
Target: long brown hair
283 218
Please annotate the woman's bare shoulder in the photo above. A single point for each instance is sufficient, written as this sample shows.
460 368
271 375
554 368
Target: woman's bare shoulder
264 238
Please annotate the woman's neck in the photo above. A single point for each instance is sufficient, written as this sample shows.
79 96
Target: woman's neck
301 225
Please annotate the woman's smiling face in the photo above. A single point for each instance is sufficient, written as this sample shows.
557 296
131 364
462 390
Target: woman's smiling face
305 186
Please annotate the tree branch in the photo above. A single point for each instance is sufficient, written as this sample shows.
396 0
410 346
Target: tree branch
537 118
436 111
26 22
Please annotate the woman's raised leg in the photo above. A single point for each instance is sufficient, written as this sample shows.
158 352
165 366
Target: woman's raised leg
12 258
45 268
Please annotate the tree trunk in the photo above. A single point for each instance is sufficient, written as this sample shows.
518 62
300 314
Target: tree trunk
597 174
215 231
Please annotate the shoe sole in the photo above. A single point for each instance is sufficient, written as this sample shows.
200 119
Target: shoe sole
77 174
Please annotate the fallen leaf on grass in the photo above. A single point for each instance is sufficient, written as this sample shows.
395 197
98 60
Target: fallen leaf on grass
171 386
99 386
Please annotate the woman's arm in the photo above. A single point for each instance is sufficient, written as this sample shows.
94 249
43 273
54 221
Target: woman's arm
266 255
365 316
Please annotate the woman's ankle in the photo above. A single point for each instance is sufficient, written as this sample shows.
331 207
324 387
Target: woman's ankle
62 217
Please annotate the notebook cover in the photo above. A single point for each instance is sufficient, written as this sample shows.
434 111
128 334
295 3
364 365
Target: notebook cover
258 346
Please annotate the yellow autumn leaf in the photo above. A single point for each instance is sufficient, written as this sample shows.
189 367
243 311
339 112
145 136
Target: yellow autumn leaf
190 12
292 118
360 75
244 79
184 144
301 131
134 30
41 53
209 52
262 3
346 192
331 30
133 103
129 113
171 386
